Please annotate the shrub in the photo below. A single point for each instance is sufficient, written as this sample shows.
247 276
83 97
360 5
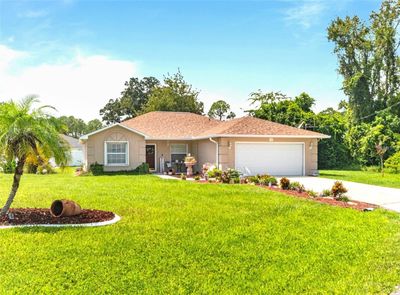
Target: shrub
268 179
253 179
284 183
8 167
229 175
343 198
312 194
45 169
297 186
38 164
96 169
142 169
236 180
393 162
214 173
197 178
183 176
338 189
272 180
326 193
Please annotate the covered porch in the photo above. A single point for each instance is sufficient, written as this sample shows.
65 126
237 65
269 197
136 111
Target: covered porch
169 155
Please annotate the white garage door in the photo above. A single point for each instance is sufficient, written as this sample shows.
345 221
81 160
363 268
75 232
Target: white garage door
273 158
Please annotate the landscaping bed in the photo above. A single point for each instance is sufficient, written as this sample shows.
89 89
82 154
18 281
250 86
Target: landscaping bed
361 206
38 216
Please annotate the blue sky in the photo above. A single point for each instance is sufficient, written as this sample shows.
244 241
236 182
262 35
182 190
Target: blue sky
77 54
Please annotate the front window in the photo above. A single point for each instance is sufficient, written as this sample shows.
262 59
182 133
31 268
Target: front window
178 152
116 153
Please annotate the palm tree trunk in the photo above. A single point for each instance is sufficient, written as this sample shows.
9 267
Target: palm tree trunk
19 170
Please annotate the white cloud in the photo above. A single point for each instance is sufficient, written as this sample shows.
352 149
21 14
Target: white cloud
32 14
79 87
305 13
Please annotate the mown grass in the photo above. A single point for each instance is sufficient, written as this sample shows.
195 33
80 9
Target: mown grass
181 237
368 177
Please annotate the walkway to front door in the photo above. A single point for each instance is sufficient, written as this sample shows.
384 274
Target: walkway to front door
151 156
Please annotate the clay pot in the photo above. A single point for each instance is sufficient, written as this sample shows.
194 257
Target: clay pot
62 208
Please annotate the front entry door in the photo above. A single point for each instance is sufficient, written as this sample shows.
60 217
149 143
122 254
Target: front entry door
151 156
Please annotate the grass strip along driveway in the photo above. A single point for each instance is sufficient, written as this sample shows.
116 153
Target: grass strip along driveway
367 177
184 237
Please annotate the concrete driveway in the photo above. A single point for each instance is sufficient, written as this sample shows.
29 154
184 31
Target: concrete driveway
385 197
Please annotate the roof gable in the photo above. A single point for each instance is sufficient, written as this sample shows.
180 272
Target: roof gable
171 125
86 136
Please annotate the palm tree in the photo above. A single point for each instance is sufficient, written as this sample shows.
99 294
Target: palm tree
24 131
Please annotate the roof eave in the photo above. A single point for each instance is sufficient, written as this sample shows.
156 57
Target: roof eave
322 136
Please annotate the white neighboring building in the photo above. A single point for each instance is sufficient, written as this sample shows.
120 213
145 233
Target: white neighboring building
76 151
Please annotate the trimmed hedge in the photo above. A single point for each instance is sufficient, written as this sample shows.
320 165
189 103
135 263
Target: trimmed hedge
98 169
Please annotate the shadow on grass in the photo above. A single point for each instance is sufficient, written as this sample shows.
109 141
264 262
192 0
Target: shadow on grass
44 229
332 174
117 173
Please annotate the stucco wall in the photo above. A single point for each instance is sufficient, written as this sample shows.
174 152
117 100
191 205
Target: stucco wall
94 148
227 151
207 152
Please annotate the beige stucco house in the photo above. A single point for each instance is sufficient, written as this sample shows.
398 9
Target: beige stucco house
163 139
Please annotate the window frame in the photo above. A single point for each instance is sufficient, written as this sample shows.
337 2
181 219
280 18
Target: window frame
170 149
126 153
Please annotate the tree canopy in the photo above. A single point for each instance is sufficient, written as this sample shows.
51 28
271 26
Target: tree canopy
131 102
76 127
278 107
174 95
221 110
369 61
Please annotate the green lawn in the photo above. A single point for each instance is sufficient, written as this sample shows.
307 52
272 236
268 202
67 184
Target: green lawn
375 178
182 237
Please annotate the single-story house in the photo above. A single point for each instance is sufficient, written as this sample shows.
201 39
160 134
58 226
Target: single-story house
163 139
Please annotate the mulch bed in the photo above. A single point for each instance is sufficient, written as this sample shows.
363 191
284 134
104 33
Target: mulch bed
25 216
361 206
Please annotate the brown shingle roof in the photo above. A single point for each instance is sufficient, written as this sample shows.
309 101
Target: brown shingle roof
255 126
181 125
171 124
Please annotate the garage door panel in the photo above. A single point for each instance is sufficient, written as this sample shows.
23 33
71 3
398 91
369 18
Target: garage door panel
275 159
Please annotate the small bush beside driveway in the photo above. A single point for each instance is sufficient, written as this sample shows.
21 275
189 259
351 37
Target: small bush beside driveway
385 197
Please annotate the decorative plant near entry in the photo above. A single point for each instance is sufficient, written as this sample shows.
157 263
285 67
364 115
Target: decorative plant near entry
230 176
214 173
284 183
338 189
23 131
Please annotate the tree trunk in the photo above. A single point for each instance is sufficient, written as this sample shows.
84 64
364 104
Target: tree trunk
19 170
